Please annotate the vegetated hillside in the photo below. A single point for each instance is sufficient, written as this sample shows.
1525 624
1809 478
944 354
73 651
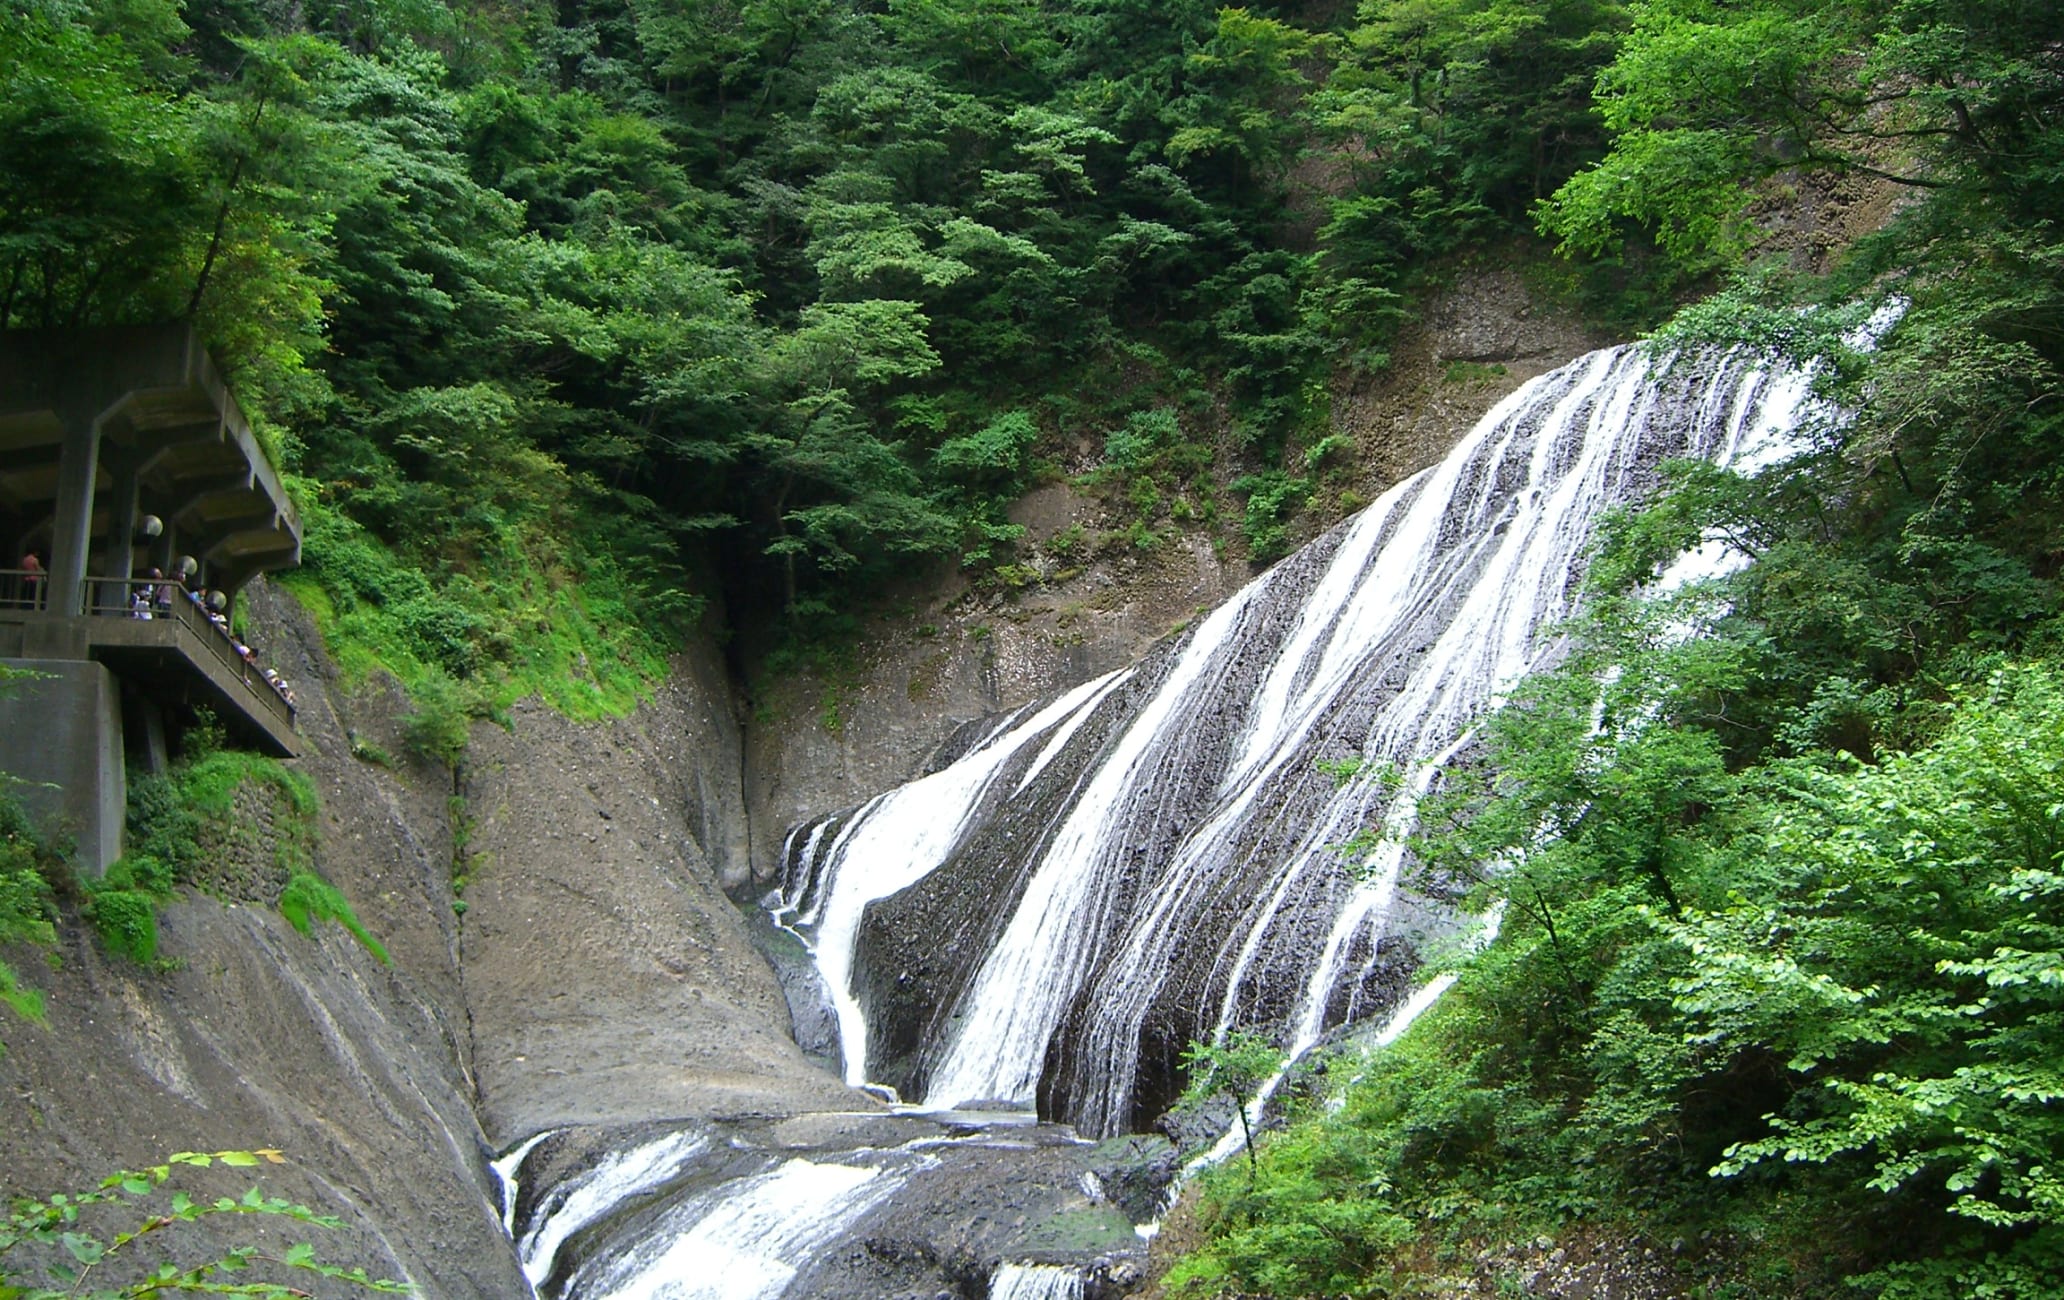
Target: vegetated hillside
545 306
1777 1009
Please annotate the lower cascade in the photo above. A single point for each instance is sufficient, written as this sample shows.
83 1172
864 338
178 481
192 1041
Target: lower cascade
1035 1282
1024 941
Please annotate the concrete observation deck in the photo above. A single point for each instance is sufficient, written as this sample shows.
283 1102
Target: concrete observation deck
122 450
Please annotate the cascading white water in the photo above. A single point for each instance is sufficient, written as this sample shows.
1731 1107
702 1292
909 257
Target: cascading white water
505 1169
1035 1282
1170 858
578 1202
892 842
744 1241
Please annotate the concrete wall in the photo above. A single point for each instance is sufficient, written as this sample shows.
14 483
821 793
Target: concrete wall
61 742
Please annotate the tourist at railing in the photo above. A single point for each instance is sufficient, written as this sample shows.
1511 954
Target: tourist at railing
153 596
28 582
279 683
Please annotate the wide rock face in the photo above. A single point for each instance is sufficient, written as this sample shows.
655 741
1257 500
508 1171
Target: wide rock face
251 1035
830 1206
607 976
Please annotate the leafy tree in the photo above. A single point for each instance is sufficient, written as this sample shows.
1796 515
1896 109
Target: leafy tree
1706 102
105 177
64 1246
1234 1067
1242 95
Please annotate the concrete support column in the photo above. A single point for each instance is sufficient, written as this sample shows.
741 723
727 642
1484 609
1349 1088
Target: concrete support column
72 531
156 758
61 733
120 563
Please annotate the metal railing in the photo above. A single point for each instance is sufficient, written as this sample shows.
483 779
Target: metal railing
146 598
25 589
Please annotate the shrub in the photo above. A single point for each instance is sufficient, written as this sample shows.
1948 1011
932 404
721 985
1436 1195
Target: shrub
309 898
127 922
1271 497
163 823
47 1247
1144 433
439 728
25 900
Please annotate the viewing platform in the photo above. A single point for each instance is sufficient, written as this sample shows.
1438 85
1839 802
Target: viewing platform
122 451
193 661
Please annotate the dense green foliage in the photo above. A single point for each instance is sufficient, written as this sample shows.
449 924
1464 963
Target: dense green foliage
27 866
545 306
309 898
1782 967
115 1242
26 905
187 825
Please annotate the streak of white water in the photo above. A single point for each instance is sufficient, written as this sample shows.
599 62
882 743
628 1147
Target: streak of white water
1036 966
1368 906
744 1242
1035 1282
1394 1025
1066 731
505 1170
582 1200
897 840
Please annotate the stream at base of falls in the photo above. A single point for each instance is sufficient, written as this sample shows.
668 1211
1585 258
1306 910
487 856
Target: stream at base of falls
1082 888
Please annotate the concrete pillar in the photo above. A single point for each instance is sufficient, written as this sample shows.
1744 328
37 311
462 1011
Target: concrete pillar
156 758
120 562
61 735
72 531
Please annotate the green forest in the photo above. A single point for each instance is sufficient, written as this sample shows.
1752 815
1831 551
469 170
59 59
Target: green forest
570 319
1780 985
574 323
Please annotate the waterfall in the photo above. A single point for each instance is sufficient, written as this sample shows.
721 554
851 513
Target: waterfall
1157 856
893 841
1035 1282
744 1240
574 1204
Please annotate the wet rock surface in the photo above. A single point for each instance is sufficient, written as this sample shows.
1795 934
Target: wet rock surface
605 976
1584 1264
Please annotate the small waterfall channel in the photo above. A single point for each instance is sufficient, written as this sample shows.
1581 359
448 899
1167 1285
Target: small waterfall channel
1039 927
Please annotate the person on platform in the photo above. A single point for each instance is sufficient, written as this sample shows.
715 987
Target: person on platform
32 581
